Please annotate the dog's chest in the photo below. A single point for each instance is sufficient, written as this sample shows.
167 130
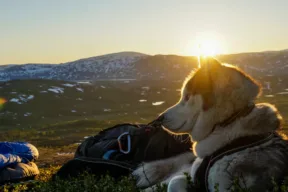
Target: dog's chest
223 171
215 169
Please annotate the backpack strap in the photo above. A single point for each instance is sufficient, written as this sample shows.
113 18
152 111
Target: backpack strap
237 145
96 166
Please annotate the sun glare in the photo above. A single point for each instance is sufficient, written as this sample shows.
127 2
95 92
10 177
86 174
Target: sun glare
207 45
208 48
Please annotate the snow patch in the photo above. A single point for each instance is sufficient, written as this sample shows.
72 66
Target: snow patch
15 100
22 99
142 100
65 154
84 82
80 89
269 95
106 110
27 114
158 103
30 97
56 89
283 93
68 85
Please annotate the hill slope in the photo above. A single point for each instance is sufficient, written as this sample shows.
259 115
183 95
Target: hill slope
43 111
132 65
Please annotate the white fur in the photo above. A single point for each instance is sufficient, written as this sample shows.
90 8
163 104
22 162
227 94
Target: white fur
242 127
163 170
232 91
187 115
195 167
178 184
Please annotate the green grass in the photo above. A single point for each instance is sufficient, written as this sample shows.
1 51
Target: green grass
53 124
85 182
91 183
50 108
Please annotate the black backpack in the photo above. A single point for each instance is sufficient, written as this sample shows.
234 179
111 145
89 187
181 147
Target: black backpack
121 148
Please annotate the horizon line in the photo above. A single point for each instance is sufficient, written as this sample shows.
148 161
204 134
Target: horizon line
181 55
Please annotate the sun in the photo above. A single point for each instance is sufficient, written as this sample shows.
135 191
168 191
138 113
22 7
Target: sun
208 48
207 45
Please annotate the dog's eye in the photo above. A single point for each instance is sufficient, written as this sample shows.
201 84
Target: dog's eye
187 97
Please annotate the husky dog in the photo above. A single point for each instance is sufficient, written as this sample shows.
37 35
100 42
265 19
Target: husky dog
232 136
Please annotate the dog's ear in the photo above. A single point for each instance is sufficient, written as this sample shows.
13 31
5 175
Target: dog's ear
203 83
208 63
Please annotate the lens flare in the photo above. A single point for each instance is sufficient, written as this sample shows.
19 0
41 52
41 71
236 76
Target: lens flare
2 102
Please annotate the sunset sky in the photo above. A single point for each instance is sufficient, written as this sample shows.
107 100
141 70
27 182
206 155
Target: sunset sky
55 31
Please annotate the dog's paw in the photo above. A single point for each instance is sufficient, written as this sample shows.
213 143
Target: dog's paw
148 174
178 184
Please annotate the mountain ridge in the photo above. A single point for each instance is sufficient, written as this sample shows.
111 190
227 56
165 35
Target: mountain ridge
135 65
140 53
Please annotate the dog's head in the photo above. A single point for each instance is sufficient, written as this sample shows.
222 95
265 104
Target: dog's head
210 95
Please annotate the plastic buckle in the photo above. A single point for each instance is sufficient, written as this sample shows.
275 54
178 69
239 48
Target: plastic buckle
128 142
